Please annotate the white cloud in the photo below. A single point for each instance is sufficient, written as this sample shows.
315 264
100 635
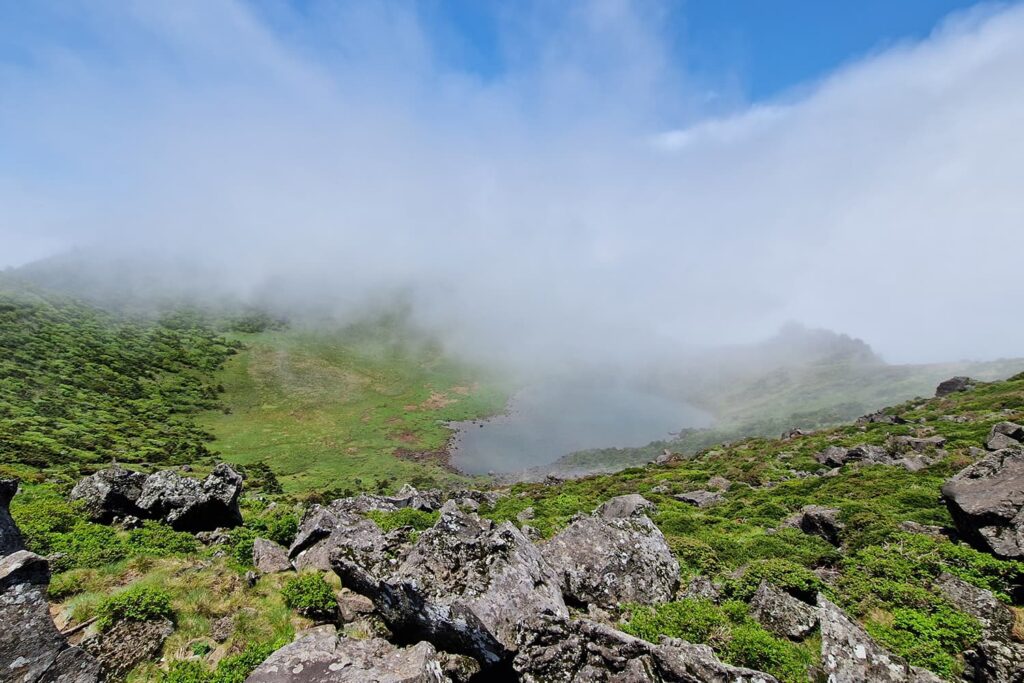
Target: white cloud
532 213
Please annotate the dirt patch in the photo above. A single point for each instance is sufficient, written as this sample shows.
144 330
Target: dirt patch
437 401
407 437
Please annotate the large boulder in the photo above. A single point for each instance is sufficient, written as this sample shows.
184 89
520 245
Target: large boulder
326 527
321 655
10 536
997 658
32 650
605 561
127 644
110 494
269 558
849 655
781 613
1004 435
464 585
986 501
622 507
582 651
817 520
837 456
953 385
191 505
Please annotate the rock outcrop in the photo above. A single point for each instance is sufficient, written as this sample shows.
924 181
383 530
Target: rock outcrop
781 613
321 655
582 651
127 644
465 585
326 527
849 655
32 650
269 558
184 503
621 507
606 560
953 385
110 494
817 520
190 505
1005 435
10 536
998 658
986 501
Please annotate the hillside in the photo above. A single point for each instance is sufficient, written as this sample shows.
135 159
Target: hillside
799 379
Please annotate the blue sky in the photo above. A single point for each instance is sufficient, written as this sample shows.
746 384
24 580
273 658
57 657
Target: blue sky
590 177
762 48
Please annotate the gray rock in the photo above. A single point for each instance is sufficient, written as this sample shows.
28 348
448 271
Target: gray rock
555 649
881 417
621 507
32 650
917 444
997 658
10 536
320 655
607 561
718 483
700 588
986 501
782 614
849 655
833 456
127 644
109 493
953 385
191 505
324 528
464 585
700 498
1004 435
818 521
352 606
525 515
222 628
269 558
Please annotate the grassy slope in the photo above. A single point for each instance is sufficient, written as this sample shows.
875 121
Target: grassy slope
809 397
335 410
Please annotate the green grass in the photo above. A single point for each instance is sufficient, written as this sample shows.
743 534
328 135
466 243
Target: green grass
357 408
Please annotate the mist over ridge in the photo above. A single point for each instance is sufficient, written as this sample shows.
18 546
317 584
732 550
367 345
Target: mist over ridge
584 206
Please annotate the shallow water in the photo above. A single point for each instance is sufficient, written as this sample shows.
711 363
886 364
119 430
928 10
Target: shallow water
546 421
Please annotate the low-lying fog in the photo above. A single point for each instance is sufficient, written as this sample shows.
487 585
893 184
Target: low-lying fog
549 419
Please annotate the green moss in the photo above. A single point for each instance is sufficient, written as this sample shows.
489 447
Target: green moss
137 603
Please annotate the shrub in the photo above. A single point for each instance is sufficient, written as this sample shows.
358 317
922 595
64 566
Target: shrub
232 669
784 574
417 519
753 647
311 596
279 525
154 538
137 603
697 621
86 545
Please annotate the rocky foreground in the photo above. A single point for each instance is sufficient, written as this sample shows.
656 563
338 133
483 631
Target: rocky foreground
472 599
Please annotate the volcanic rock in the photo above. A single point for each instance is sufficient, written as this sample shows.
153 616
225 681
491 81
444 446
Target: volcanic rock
986 501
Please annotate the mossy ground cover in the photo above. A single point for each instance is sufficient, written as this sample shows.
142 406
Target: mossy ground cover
356 409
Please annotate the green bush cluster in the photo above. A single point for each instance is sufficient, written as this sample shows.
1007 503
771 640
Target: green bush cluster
232 669
136 603
419 520
310 595
83 386
782 573
728 629
52 525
